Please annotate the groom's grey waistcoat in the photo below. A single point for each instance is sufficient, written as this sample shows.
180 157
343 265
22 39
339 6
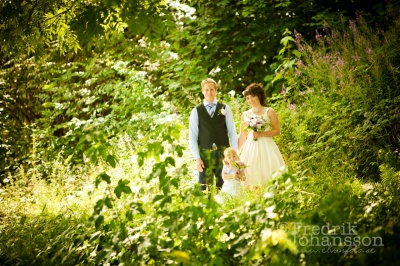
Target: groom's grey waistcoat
212 129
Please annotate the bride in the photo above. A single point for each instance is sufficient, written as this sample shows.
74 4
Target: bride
257 148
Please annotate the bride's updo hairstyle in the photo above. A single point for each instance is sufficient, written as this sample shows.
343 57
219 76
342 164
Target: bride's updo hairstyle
256 89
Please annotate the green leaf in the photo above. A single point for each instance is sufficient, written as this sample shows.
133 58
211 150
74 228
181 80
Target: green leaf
184 257
296 53
103 151
111 160
48 105
91 152
126 189
285 40
99 221
118 192
100 256
108 203
157 198
289 64
179 150
123 233
170 161
129 215
167 199
175 182
122 188
105 177
99 206
140 158
165 187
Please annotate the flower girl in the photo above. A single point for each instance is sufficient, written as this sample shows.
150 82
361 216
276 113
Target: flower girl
232 173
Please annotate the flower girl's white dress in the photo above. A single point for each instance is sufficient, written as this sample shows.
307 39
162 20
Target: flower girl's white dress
262 156
231 187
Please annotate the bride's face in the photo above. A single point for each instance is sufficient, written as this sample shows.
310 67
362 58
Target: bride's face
253 101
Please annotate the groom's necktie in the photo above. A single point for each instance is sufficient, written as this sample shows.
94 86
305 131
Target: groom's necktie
210 109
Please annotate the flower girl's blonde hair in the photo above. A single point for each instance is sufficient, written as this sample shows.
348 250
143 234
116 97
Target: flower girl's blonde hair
227 152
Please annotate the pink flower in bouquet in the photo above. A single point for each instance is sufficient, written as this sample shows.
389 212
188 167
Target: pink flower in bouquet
256 123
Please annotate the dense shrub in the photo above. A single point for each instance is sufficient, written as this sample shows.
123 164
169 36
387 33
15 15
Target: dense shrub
343 97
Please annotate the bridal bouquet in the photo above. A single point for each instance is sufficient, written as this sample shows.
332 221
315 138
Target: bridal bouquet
256 123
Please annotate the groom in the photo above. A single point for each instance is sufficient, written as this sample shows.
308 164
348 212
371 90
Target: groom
211 126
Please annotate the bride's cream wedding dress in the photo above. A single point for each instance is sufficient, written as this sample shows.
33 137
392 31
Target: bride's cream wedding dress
262 156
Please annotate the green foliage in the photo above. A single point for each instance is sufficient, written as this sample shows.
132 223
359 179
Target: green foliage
342 99
236 42
78 104
50 237
100 174
181 221
29 27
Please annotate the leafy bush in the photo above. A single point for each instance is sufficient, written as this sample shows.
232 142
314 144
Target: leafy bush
344 99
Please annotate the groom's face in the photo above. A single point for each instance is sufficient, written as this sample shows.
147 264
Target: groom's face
209 91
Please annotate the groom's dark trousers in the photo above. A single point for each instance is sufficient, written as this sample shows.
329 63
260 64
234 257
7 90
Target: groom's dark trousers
212 160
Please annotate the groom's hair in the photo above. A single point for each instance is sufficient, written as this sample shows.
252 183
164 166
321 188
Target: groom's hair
209 80
256 89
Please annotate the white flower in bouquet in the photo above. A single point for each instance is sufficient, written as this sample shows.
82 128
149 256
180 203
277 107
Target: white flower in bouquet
256 123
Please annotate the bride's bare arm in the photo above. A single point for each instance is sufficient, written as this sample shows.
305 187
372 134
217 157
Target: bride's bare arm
242 134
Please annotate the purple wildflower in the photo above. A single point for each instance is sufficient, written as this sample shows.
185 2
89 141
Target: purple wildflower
298 37
283 91
356 57
325 27
292 107
340 62
368 50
